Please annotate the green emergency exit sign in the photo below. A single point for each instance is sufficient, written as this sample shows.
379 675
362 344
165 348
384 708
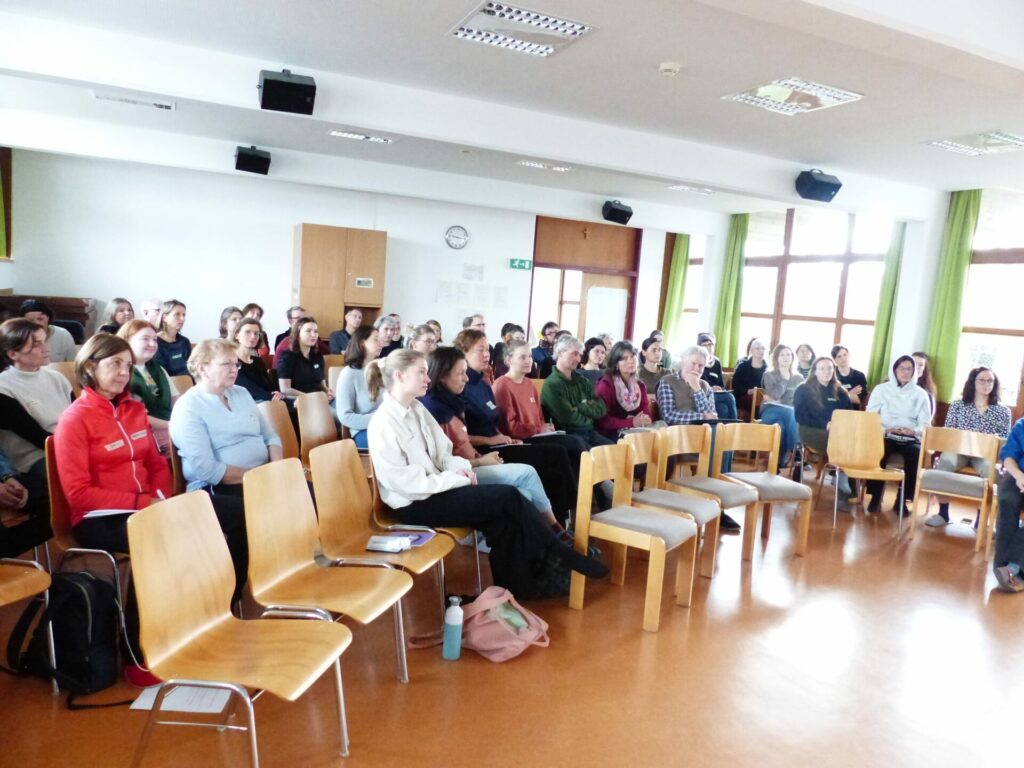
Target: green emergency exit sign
520 263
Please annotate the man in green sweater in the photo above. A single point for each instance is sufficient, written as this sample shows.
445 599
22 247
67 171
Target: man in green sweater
568 397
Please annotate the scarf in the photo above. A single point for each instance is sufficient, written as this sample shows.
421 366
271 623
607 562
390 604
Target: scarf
443 404
156 399
627 397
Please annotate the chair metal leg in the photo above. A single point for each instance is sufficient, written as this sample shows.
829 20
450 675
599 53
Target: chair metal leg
899 527
835 499
476 552
441 588
342 721
403 666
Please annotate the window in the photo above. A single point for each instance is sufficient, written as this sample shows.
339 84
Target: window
556 296
813 277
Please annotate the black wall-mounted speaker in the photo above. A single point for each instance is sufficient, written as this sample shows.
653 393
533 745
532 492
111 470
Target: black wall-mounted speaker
816 185
613 210
285 92
252 160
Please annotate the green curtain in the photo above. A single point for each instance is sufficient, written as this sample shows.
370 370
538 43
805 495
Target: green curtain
885 320
954 259
727 316
672 320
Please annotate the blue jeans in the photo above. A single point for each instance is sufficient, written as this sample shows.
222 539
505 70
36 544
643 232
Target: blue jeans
521 476
785 417
360 439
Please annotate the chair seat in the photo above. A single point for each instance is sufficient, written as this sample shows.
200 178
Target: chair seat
283 657
417 560
953 483
873 473
20 581
702 510
772 487
362 593
671 529
731 494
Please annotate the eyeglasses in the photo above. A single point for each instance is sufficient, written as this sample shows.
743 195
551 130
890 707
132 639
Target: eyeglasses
981 380
233 363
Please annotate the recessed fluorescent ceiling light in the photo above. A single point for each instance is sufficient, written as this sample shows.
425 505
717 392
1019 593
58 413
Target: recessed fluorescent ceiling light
695 190
362 137
792 96
991 143
518 29
544 166
134 100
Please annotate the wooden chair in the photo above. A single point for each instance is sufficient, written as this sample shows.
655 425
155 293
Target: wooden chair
20 579
705 513
344 505
855 448
333 361
268 361
67 370
182 383
316 423
189 636
276 413
755 404
538 384
771 488
624 526
333 372
954 484
178 484
283 571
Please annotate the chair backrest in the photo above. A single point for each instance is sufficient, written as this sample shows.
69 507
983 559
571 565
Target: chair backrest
962 442
333 372
268 361
67 370
538 384
177 476
276 414
684 439
606 462
761 438
855 439
755 403
60 513
182 572
182 383
344 503
333 360
652 401
316 423
645 451
280 522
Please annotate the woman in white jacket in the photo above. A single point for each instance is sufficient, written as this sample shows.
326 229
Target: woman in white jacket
905 411
425 484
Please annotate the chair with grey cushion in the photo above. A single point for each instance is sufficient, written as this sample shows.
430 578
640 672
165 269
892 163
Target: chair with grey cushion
770 488
624 525
937 482
705 512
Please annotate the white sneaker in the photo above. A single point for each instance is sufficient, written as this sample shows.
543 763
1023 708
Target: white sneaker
483 547
936 521
468 540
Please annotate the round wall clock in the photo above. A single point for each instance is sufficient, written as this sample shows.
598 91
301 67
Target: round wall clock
457 237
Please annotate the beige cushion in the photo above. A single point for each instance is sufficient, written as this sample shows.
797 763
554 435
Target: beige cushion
671 529
702 510
731 494
772 487
937 481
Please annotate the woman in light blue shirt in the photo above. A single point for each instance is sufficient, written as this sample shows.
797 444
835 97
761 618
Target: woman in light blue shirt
353 398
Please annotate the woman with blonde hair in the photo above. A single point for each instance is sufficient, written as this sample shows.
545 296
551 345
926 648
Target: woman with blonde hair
118 312
173 348
779 383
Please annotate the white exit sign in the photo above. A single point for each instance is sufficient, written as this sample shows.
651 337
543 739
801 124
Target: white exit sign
520 263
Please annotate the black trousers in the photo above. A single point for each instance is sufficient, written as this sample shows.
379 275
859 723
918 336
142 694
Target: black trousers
16 539
554 467
517 535
911 452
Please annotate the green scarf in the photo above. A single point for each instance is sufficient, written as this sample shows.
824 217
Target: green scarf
156 399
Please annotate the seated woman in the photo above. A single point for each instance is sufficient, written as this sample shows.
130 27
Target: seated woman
748 375
924 377
447 371
150 383
780 383
300 369
118 312
905 413
255 311
804 360
173 349
59 340
356 401
109 460
666 357
569 398
230 317
389 331
623 393
542 353
725 401
594 354
425 484
853 381
977 410
482 417
437 331
814 402
652 354
422 338
253 375
509 332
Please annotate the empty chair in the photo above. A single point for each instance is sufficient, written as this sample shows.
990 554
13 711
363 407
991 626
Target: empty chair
182 383
334 361
333 372
184 580
705 512
656 532
67 370
283 540
276 414
770 487
316 423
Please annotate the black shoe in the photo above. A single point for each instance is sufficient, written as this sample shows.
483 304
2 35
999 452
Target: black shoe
588 566
728 525
875 505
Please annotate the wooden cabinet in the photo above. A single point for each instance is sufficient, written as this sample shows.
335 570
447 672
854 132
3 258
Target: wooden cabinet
338 267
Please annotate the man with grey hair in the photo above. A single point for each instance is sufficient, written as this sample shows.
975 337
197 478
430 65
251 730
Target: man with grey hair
568 396
476 322
685 398
152 312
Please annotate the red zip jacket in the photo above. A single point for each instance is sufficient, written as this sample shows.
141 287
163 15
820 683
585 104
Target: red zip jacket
107 456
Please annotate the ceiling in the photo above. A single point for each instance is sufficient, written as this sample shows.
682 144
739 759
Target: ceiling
915 89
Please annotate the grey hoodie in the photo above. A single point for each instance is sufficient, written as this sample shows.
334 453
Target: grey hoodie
906 406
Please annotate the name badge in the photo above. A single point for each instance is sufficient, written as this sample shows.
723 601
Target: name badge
492 406
138 435
114 445
833 400
533 399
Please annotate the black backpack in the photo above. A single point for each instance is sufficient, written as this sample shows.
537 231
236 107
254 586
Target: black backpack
83 612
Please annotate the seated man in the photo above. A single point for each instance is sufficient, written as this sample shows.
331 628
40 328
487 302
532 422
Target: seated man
1009 554
685 398
339 339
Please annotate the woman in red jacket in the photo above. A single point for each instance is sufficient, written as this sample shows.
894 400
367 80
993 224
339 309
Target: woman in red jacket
624 395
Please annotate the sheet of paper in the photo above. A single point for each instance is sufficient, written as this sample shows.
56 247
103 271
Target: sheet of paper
108 512
184 698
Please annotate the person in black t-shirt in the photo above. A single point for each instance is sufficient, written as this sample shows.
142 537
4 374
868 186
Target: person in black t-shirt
853 381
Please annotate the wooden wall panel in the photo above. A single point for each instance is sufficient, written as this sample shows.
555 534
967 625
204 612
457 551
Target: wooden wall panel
586 245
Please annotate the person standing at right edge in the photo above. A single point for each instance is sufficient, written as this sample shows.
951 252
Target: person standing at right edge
1009 555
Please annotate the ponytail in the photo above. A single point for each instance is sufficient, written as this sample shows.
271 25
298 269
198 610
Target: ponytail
381 375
